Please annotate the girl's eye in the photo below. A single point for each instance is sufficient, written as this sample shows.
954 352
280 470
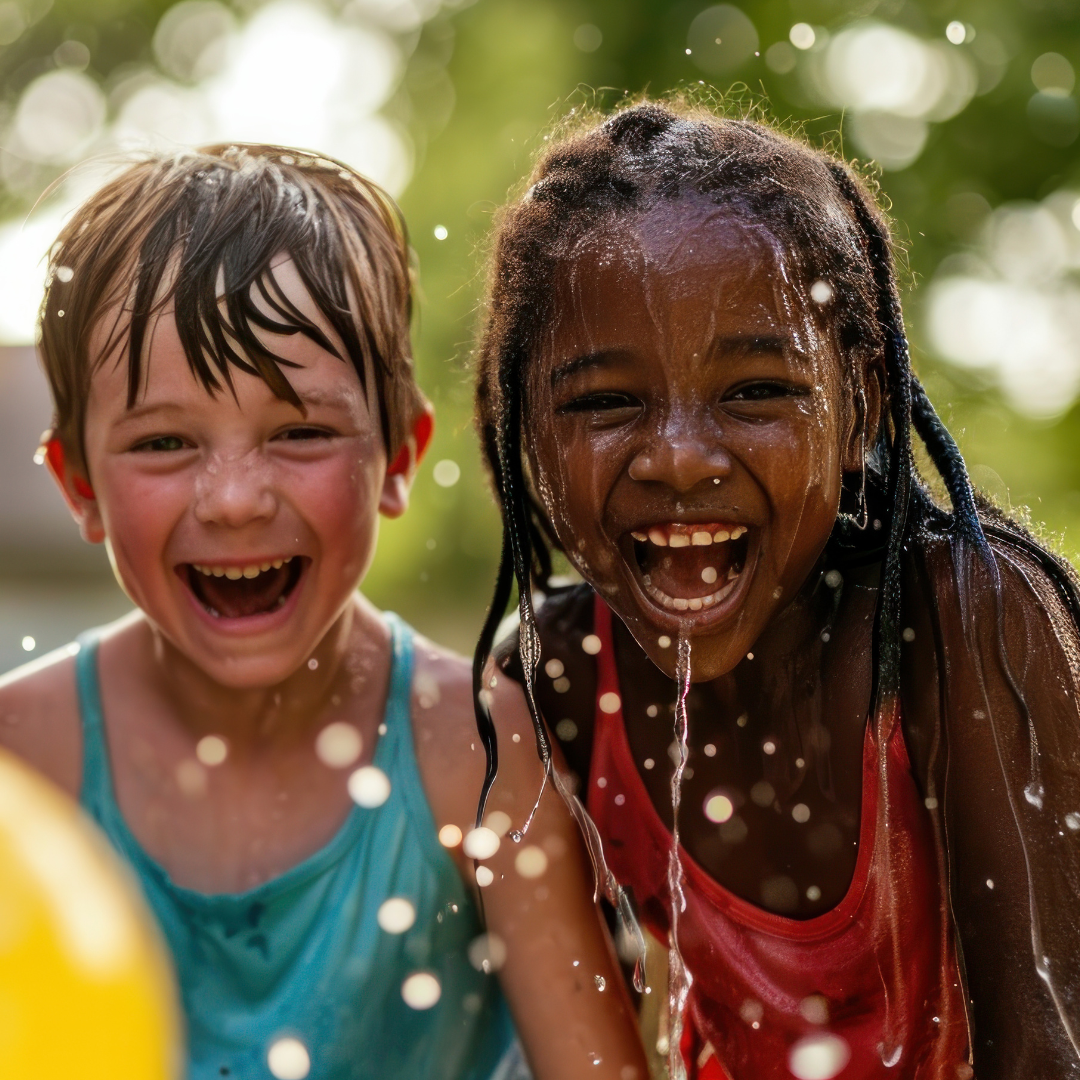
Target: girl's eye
302 434
161 444
764 391
599 402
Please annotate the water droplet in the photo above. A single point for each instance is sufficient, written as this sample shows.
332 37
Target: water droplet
818 1057
484 876
446 473
908 634
801 813
487 953
211 750
481 843
531 862
815 1009
821 291
288 1059
313 664
751 1011
449 836
989 883
338 745
652 710
29 644
601 982
610 702
930 802
191 778
498 821
718 807
396 915
709 750
64 274
743 720
1034 794
833 579
813 894
601 782
708 575
768 747
421 990
441 232
566 730
648 763
369 787
591 644
1072 821
664 641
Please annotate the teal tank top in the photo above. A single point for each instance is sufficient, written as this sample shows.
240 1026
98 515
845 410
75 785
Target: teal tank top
303 956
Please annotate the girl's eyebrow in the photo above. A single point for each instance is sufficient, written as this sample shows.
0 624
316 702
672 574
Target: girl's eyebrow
751 343
587 360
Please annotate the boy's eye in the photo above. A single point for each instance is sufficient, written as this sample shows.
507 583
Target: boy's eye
161 444
602 401
301 434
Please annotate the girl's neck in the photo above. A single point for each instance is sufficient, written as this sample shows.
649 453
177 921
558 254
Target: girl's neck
344 668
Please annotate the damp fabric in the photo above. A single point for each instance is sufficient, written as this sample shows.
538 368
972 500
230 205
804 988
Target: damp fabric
897 1011
302 956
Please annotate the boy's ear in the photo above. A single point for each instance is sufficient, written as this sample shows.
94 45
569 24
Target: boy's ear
76 489
402 470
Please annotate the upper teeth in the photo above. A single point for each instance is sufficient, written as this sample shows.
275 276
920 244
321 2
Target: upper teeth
678 536
235 573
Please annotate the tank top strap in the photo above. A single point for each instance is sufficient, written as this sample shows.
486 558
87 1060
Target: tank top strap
96 789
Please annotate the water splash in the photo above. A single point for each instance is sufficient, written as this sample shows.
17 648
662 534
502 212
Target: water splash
679 978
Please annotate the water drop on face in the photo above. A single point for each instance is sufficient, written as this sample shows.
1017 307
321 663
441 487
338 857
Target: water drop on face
421 990
601 982
664 641
1034 795
821 291
288 1059
313 664
396 915
1072 821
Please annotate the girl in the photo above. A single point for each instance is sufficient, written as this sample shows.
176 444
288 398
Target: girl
694 382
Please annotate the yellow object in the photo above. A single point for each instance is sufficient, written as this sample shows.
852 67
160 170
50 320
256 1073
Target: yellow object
86 991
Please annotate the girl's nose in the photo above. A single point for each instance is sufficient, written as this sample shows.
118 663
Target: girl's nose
681 459
234 491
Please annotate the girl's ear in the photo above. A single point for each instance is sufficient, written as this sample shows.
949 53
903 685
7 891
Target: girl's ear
865 419
76 489
402 470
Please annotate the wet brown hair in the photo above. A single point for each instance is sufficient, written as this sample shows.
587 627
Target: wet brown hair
200 230
832 229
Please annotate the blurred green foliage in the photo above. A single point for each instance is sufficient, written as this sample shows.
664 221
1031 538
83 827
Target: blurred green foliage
514 67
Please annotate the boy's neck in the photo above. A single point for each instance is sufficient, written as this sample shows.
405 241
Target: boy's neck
346 671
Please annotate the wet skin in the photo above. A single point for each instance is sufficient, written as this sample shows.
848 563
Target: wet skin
682 391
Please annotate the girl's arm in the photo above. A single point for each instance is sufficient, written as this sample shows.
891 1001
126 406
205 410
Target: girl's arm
997 668
560 974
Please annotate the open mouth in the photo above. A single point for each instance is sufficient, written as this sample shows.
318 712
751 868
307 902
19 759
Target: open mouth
690 567
239 592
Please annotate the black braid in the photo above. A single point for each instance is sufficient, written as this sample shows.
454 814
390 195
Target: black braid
901 464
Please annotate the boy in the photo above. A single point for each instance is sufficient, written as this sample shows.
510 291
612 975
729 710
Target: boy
226 338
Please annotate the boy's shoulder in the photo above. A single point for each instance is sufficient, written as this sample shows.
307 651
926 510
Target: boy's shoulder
39 717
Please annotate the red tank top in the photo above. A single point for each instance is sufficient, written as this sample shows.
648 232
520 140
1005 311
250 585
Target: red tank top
868 989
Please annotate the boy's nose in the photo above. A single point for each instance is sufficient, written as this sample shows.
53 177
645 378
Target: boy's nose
681 458
234 491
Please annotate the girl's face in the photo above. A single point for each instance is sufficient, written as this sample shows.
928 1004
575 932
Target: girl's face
688 428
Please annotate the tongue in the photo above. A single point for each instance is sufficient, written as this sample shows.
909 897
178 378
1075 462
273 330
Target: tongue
678 571
243 597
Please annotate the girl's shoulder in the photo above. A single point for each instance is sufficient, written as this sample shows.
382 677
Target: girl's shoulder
565 680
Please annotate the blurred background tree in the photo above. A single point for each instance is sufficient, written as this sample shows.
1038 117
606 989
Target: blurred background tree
968 110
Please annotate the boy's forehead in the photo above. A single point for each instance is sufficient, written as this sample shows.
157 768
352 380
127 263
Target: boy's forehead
164 366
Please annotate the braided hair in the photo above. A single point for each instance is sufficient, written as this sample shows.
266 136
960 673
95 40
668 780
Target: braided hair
651 152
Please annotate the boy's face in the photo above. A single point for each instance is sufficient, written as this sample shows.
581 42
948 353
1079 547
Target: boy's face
240 526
